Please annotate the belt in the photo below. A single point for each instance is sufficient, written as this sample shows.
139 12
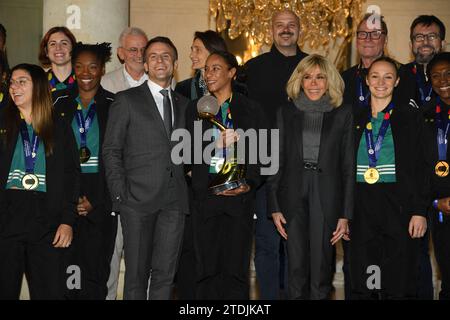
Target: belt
310 166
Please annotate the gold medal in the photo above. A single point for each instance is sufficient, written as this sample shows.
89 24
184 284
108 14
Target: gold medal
441 169
30 181
85 154
371 175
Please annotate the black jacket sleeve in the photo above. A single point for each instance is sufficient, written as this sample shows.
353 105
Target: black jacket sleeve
71 176
273 181
348 164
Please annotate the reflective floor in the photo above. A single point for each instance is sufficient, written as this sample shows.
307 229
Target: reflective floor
338 281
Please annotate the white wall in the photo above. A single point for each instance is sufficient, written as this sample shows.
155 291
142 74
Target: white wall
176 19
99 21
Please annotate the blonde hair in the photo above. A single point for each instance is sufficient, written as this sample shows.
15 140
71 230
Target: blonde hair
335 83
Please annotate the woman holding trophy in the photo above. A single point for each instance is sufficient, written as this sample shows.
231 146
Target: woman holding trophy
311 196
223 186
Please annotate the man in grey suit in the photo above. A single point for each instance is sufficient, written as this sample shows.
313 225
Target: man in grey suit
132 43
148 190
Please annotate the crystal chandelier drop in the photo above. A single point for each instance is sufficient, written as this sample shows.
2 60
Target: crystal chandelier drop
321 21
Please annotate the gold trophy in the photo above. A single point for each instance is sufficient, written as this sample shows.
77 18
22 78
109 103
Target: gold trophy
232 173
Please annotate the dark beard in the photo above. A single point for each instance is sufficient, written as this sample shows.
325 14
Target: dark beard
422 59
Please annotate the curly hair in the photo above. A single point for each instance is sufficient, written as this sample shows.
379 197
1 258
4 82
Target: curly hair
102 51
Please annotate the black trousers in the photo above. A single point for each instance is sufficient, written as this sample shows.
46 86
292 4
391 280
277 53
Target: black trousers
186 281
310 253
26 248
93 244
380 239
440 232
223 242
91 252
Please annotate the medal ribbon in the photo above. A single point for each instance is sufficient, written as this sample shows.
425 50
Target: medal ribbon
442 130
363 99
422 85
374 149
29 151
84 125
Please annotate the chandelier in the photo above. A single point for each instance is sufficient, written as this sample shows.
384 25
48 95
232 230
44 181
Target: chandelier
325 20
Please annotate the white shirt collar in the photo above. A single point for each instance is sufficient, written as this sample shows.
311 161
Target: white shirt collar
159 98
133 83
156 88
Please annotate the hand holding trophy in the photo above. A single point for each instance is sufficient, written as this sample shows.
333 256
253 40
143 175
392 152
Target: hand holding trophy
232 174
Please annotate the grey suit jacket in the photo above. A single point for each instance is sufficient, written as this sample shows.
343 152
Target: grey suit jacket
136 152
115 81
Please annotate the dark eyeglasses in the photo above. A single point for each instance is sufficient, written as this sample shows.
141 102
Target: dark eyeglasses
421 37
375 35
134 51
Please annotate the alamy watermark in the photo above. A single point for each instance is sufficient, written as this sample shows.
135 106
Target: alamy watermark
260 146
374 280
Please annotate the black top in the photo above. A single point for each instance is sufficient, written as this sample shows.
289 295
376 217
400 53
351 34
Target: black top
403 93
410 86
190 87
62 179
350 77
266 77
66 105
4 96
433 187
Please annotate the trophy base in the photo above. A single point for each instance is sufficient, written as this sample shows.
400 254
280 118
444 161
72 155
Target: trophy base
229 185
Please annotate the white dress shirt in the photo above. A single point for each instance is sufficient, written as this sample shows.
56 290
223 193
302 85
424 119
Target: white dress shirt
133 83
159 98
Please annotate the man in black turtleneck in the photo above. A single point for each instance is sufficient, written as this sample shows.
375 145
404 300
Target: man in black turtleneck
266 77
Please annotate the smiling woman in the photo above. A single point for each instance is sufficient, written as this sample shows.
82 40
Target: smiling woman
89 66
39 188
315 130
86 111
223 221
55 52
435 155
387 136
203 45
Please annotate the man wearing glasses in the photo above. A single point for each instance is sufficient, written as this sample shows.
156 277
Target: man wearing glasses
371 39
132 42
427 34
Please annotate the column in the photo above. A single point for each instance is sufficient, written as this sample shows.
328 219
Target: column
90 21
